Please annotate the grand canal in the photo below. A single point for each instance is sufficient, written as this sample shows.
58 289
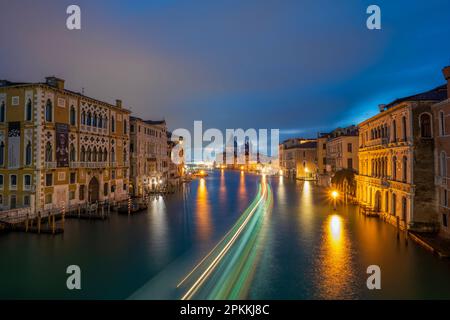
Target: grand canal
258 238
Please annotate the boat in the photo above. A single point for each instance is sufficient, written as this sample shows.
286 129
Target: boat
199 174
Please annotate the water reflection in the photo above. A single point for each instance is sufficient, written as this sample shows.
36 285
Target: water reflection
159 226
242 189
203 212
222 188
306 211
335 268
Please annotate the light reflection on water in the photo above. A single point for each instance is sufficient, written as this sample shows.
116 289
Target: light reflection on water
334 263
309 251
203 211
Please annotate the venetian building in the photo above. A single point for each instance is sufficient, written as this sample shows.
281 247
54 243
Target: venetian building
298 158
396 162
441 126
59 147
323 178
149 158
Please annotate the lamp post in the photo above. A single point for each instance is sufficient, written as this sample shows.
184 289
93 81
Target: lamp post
334 195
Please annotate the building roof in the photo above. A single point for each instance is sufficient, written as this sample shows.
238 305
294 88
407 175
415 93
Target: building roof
155 121
436 94
305 145
7 83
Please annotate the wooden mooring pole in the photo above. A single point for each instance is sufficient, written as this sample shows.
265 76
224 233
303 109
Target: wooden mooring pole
39 222
53 222
26 223
63 214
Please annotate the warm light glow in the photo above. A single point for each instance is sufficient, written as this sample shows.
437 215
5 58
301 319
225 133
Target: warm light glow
202 172
306 170
335 226
334 194
281 172
242 167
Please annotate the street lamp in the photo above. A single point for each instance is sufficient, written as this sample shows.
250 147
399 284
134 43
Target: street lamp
334 195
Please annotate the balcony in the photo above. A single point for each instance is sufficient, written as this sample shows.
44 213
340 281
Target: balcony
87 164
50 165
379 142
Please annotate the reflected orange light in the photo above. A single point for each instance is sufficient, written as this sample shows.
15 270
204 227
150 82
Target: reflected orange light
242 190
334 266
203 212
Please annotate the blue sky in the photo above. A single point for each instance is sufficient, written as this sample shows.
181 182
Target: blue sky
300 66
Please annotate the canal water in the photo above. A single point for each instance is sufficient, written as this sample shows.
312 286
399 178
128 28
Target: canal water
305 249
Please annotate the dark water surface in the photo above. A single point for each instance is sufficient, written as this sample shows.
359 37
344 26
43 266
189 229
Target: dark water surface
308 250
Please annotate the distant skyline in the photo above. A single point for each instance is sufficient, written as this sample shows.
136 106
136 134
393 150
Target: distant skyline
300 66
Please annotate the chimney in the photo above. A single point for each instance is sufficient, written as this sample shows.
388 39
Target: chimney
118 103
381 107
446 72
55 82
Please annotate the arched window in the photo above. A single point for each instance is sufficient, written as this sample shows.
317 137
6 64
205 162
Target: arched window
72 154
48 152
100 121
94 155
113 155
124 154
100 155
88 154
404 128
2 111
441 123
28 110
394 204
83 118
125 127
2 153
113 124
405 168
83 154
425 125
94 121
105 123
394 131
89 119
443 164
28 154
105 155
72 116
49 111
394 168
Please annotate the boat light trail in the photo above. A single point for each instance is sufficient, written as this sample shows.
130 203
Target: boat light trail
234 254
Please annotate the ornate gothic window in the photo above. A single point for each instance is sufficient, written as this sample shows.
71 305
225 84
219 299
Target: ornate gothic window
28 154
48 152
49 111
72 154
28 110
2 111
72 116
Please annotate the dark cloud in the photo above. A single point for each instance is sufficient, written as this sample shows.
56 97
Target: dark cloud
301 66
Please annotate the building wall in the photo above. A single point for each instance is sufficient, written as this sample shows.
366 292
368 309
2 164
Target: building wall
149 159
40 132
441 121
340 150
390 175
306 163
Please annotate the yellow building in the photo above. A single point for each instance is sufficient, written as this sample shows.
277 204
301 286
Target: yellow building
298 158
59 147
149 157
396 162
